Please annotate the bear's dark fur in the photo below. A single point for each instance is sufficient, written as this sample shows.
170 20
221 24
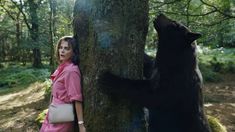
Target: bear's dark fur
173 94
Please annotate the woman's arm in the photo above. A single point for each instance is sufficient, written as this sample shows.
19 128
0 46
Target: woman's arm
79 112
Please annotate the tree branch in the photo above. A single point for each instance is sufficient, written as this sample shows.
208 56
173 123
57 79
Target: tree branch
197 15
164 3
217 10
191 15
211 24
20 8
7 11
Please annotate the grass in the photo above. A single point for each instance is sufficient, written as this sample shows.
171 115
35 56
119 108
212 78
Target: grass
15 77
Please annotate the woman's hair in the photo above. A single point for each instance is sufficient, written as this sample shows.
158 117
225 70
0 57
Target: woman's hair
72 44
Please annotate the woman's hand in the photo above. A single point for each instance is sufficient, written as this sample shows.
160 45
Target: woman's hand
82 128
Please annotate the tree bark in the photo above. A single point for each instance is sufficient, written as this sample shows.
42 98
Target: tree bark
111 34
52 14
18 36
33 6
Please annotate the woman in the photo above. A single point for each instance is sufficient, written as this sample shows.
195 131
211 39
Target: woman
66 86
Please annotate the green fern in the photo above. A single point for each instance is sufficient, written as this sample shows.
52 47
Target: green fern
215 124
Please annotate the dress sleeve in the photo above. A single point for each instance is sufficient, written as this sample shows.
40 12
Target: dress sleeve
73 85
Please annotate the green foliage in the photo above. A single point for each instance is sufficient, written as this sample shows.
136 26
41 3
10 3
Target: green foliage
40 118
208 74
217 29
13 49
216 64
215 124
220 60
1 66
47 89
17 75
151 52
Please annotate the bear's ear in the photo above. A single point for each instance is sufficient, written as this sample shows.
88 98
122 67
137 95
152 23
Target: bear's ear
192 36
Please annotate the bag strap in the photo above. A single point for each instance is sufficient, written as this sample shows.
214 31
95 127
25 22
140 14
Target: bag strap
51 97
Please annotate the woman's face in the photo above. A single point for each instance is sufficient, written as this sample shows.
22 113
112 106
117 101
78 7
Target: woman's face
65 52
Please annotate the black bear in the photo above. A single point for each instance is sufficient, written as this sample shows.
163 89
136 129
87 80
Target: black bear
173 94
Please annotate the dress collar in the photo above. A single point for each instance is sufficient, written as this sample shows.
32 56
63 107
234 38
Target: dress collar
59 70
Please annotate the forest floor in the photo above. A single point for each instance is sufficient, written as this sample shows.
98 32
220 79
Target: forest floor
19 110
220 101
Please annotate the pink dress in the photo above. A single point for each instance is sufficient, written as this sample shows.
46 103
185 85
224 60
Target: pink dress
66 88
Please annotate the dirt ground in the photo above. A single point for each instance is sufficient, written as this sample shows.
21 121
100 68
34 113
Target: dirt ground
18 111
221 101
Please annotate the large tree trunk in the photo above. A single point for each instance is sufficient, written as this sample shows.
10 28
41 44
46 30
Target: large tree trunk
111 34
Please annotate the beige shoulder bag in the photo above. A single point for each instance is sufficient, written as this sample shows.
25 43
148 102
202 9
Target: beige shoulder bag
60 113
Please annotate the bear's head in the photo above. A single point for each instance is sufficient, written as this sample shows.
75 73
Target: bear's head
176 46
172 34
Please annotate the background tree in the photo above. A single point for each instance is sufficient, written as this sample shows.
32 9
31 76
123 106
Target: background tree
32 24
215 19
111 35
54 19
52 30
12 12
212 18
